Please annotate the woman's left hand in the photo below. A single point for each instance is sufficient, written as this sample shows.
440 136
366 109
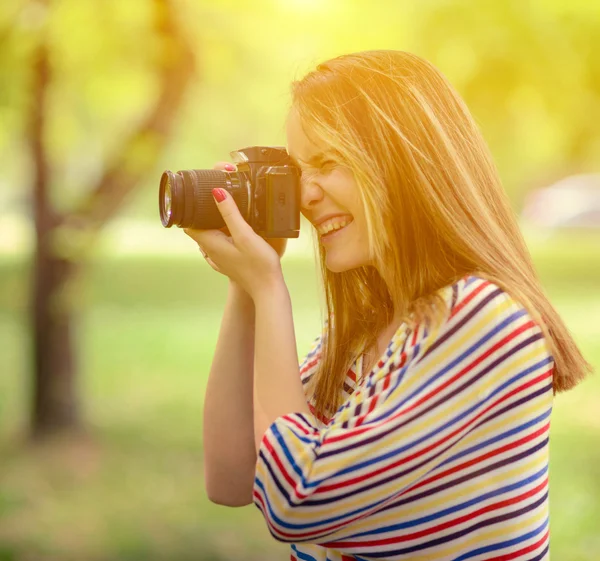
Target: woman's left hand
244 257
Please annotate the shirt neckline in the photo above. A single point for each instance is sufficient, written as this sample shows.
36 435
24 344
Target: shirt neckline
384 357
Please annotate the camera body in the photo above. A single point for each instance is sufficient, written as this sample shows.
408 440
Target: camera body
265 187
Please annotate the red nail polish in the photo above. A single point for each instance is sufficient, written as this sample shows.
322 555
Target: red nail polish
219 194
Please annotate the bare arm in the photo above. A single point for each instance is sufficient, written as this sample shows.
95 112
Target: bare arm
277 386
229 452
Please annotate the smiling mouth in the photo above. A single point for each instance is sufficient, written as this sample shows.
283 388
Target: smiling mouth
334 233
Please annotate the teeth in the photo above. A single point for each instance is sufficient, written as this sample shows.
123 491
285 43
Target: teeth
333 225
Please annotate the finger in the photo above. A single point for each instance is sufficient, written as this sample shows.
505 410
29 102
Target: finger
225 166
212 264
237 226
191 232
204 238
211 242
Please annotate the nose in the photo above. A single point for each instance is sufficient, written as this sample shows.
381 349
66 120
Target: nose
310 194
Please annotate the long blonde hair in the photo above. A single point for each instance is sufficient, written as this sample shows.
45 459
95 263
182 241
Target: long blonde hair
434 204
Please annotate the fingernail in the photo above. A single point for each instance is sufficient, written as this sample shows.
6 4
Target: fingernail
229 167
219 194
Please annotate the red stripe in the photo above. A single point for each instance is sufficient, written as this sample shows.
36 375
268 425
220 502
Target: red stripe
430 447
354 432
321 418
386 383
393 540
422 533
273 454
449 523
483 457
547 374
360 419
414 337
466 299
256 495
524 551
472 365
297 424
310 364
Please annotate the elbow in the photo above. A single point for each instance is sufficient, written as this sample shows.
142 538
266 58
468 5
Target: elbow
233 492
228 499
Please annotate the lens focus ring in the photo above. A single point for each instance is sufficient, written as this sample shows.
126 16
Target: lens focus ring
206 215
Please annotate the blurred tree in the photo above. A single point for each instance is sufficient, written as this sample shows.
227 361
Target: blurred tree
63 238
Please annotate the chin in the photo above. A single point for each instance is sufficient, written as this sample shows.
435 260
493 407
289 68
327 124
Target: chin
341 265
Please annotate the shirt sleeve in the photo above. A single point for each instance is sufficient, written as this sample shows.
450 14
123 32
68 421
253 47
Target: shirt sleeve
322 485
309 366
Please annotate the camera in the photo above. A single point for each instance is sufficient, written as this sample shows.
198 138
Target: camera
265 187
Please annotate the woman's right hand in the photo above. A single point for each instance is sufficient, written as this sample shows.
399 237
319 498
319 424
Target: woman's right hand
278 244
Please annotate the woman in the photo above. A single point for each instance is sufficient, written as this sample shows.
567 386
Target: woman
417 425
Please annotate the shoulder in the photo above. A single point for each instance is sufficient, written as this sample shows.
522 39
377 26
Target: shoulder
481 319
475 300
484 327
473 292
487 347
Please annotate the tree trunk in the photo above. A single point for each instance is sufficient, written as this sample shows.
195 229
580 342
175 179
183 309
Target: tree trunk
62 241
55 404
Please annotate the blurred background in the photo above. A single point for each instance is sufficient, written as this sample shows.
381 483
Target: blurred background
108 321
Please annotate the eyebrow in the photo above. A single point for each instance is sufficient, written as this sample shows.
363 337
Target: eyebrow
315 158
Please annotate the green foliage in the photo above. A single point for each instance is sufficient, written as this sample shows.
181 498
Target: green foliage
134 488
529 73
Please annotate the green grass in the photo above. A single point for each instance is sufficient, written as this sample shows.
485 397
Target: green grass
133 487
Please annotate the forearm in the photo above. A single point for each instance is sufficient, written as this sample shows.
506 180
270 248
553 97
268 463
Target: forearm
229 454
277 386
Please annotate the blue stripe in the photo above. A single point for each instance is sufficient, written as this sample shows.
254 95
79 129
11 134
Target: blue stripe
507 543
511 515
376 459
392 410
375 505
320 522
307 440
312 353
458 507
542 554
469 476
303 556
475 347
445 369
316 441
396 451
495 439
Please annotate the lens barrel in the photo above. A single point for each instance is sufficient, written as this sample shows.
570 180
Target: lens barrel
185 198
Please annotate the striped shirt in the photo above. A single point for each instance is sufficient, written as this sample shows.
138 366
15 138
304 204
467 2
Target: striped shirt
440 453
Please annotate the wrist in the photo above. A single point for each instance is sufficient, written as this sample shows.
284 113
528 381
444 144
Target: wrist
270 292
239 295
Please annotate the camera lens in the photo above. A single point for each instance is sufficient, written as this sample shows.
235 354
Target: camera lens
167 200
171 184
185 198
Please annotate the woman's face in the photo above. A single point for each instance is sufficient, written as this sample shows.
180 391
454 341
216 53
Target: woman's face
329 188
